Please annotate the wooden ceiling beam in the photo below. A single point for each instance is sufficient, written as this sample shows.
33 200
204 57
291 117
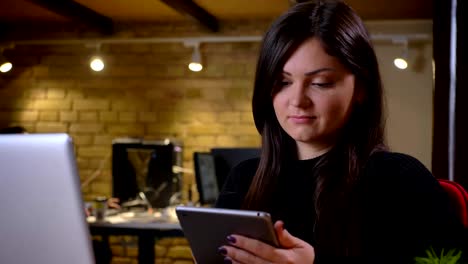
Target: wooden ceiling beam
78 12
293 2
190 8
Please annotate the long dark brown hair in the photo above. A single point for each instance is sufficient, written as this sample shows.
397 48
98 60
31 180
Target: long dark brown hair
343 35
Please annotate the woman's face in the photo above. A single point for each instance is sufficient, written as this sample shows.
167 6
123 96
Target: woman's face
313 99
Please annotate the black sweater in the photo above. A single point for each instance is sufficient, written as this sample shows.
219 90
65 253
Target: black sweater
404 209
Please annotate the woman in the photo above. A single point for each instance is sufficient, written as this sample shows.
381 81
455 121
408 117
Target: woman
324 174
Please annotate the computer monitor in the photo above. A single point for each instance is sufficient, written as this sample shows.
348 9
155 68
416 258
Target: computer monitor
227 158
42 212
144 166
205 175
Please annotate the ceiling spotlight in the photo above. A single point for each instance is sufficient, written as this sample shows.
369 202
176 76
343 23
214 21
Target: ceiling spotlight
96 63
196 63
5 65
401 62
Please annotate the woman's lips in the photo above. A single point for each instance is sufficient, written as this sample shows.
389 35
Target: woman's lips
301 119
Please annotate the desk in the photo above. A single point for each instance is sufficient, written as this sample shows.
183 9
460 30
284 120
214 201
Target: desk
146 232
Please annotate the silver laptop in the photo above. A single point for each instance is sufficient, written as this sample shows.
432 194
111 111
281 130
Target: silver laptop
42 218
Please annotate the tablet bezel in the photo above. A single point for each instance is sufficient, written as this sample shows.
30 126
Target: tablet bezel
206 229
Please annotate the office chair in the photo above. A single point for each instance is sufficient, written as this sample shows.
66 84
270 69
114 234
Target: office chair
459 197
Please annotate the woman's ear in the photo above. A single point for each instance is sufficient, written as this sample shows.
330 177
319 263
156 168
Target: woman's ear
359 94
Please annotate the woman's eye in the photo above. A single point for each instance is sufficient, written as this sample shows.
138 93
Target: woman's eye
323 84
283 83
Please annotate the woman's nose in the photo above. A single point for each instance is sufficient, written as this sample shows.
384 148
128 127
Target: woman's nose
299 97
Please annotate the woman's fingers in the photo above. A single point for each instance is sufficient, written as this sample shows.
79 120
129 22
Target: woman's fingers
237 255
254 246
244 250
285 239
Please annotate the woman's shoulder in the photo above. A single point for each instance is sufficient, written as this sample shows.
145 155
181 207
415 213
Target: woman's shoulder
249 165
242 173
398 168
395 161
237 184
401 194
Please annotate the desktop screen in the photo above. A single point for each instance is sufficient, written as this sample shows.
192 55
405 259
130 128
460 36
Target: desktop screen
205 175
143 167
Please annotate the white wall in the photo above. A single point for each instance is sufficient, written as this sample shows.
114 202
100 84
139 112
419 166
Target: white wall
409 94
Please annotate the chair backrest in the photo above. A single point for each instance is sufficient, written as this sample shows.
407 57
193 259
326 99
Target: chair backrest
459 198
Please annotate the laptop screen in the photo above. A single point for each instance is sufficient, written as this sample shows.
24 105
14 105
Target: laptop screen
43 217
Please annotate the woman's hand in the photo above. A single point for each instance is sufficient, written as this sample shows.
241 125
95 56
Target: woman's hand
250 251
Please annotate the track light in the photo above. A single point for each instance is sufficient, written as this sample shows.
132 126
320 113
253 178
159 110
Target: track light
401 62
96 63
196 62
5 65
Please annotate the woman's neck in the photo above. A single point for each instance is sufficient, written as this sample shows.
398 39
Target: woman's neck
309 151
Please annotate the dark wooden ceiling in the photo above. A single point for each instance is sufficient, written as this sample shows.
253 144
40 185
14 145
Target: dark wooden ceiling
102 13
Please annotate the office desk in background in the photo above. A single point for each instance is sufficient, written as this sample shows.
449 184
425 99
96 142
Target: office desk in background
145 229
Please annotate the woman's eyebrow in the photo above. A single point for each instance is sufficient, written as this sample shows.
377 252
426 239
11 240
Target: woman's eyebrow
312 72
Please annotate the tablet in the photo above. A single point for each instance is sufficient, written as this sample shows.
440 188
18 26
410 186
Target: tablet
206 229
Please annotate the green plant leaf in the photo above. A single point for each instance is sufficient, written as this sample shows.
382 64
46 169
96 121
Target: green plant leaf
420 260
451 256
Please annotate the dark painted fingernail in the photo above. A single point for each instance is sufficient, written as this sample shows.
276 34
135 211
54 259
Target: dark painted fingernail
227 261
222 251
231 239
